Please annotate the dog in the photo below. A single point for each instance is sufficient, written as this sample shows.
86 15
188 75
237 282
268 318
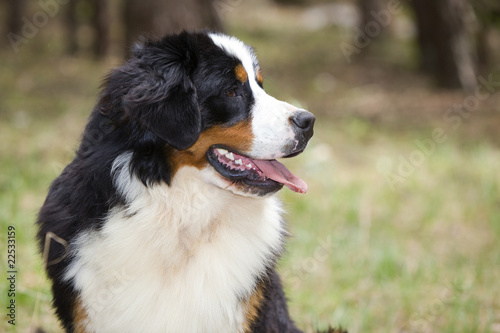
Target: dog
166 219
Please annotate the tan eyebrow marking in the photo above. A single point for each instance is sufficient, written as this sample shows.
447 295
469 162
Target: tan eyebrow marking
260 79
241 73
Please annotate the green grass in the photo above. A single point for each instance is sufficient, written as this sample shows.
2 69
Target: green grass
422 256
417 258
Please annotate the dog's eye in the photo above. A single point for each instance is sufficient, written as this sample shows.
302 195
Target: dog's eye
230 93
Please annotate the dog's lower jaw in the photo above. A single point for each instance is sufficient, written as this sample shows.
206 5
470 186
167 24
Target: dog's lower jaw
213 178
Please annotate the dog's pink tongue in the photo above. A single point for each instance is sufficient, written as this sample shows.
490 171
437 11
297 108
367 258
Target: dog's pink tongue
278 172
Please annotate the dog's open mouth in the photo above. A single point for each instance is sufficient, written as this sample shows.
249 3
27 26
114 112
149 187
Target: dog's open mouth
269 174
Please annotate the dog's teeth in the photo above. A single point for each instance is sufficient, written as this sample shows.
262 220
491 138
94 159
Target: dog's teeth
230 156
249 165
238 162
222 151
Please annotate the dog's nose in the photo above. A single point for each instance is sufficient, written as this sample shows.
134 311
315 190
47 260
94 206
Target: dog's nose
304 122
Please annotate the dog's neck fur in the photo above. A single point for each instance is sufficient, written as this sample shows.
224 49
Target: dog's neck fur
183 257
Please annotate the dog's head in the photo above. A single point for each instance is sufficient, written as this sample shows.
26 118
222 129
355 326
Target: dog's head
201 96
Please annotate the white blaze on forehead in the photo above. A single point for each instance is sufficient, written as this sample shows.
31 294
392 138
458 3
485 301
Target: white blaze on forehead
273 133
236 48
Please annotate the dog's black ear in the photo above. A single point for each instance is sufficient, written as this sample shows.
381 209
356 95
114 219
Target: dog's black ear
160 93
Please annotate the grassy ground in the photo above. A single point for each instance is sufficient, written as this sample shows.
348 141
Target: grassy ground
400 229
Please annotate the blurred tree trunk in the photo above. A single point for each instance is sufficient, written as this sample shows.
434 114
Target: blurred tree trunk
71 27
366 7
15 11
100 23
155 18
488 16
98 17
444 42
483 47
368 10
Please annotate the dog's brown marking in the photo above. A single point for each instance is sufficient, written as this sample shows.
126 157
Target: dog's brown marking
241 73
238 137
260 79
80 317
252 306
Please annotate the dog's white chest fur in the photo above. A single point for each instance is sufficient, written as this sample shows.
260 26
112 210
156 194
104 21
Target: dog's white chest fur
176 259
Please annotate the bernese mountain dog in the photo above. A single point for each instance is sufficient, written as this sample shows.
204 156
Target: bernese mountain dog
166 219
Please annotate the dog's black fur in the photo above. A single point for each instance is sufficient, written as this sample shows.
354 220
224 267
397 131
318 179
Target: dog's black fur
150 106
